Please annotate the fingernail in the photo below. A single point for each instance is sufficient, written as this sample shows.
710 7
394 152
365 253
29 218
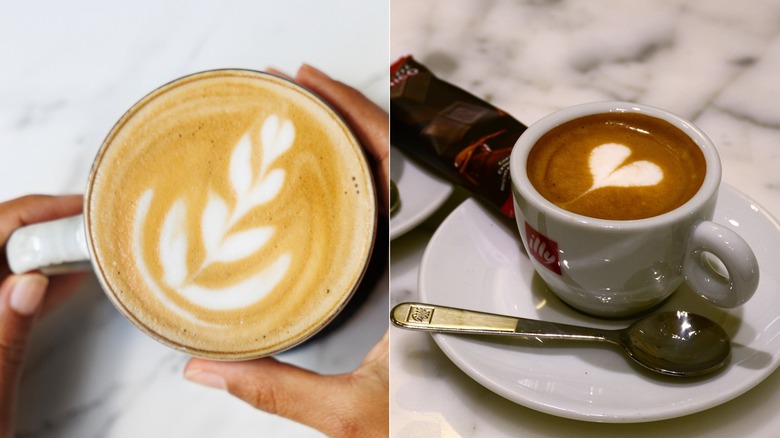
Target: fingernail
27 294
206 379
312 69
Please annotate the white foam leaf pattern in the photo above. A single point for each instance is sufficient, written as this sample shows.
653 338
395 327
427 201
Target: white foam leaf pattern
241 166
242 294
241 244
607 168
213 222
221 242
141 212
269 187
277 137
173 248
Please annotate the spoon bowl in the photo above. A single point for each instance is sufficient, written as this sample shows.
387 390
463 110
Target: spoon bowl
670 343
395 197
676 343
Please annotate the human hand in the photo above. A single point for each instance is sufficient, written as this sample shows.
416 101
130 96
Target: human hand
23 297
346 405
354 404
369 122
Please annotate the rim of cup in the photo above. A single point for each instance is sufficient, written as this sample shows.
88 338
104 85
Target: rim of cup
98 265
521 183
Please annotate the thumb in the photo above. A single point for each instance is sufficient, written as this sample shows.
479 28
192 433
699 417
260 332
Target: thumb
20 299
279 388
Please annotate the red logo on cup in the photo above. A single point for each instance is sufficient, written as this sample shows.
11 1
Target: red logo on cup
544 250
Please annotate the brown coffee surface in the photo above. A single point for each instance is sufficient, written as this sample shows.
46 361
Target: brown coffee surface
231 214
619 166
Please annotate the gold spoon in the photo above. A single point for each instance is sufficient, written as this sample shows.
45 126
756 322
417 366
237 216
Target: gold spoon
671 343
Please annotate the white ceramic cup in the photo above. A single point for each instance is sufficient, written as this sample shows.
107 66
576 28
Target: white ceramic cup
69 244
618 268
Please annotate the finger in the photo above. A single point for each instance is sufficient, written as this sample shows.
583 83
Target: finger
278 388
377 362
36 208
20 300
61 287
277 72
369 122
371 386
39 208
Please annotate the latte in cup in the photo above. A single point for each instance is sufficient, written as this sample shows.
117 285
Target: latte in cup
653 172
617 165
230 214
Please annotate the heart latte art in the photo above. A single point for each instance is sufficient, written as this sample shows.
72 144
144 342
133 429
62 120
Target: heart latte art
616 166
608 168
232 214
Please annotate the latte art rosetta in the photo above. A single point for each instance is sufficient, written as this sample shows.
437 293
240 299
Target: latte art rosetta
223 244
232 214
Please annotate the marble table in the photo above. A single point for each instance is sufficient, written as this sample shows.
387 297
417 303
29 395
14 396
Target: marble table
712 62
70 70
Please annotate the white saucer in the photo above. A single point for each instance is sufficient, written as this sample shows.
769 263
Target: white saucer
475 260
421 193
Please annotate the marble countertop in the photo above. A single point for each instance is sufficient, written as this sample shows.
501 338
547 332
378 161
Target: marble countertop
70 70
712 62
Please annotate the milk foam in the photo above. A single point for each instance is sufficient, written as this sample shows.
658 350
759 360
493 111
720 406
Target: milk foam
222 243
230 214
607 168
618 166
141 211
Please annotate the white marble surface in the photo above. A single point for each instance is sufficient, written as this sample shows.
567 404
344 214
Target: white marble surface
713 62
69 71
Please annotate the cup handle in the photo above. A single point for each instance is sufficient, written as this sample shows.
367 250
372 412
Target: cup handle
740 281
54 247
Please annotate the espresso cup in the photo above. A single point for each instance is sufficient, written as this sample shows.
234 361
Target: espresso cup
230 214
614 203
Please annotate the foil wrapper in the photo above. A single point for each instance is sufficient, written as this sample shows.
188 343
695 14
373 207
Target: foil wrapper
460 136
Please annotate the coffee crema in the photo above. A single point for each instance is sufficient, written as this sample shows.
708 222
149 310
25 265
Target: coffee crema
618 166
231 214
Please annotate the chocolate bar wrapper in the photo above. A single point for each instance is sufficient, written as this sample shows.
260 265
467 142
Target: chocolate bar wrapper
460 136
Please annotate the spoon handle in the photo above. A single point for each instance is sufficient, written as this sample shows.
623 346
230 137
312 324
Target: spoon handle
441 319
